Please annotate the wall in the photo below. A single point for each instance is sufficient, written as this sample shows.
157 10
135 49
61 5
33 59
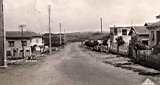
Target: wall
151 42
126 38
123 50
37 41
18 47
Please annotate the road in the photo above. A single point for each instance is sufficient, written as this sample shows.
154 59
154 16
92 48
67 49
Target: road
70 66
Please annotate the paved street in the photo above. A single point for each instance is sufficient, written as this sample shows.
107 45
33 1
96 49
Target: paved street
70 66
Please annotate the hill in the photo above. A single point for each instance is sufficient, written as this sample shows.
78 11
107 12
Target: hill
80 36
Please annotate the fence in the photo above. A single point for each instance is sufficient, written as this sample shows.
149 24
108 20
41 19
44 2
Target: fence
123 50
144 57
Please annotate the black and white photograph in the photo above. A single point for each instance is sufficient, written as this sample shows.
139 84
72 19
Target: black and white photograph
79 42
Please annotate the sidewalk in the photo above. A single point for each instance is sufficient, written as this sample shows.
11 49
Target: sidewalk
123 62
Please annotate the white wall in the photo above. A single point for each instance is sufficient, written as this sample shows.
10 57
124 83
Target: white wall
18 45
126 38
37 41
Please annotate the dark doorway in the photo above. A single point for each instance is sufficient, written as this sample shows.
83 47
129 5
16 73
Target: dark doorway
158 37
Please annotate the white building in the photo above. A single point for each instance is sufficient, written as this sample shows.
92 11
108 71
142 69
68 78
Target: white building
16 42
123 31
37 42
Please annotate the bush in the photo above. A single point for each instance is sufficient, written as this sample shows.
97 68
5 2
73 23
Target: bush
120 42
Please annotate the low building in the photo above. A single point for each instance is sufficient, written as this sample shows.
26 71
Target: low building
154 36
18 44
154 33
36 43
141 31
126 33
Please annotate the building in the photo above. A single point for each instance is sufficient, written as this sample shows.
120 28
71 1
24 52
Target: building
154 36
154 33
55 39
19 45
2 48
141 31
36 43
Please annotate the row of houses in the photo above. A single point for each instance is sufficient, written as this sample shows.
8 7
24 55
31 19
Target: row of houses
148 35
25 44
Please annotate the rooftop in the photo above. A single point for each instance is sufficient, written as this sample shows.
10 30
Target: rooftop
153 25
18 34
138 29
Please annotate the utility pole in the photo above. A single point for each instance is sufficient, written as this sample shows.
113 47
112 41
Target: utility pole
49 27
101 24
64 36
22 40
60 37
3 58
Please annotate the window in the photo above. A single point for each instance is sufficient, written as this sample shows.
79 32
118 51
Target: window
21 51
124 31
27 51
152 35
115 31
14 52
145 42
11 43
24 43
37 40
8 53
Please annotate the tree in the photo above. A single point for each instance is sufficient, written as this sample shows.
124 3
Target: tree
135 46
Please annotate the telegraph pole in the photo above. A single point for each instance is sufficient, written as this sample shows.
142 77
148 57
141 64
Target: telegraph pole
64 36
22 34
3 58
101 24
49 27
60 28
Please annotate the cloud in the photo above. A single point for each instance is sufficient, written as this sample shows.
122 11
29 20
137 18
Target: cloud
78 15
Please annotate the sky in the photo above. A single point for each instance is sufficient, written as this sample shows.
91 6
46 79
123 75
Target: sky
78 15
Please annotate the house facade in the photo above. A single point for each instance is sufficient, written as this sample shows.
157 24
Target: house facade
36 43
19 46
154 36
141 31
120 31
126 33
154 33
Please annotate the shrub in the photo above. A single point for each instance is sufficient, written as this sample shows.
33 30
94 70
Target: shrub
120 42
